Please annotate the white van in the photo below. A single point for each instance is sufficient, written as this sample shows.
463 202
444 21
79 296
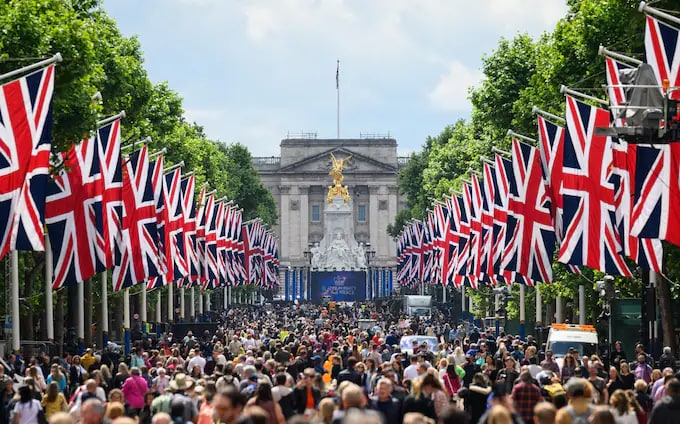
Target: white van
562 337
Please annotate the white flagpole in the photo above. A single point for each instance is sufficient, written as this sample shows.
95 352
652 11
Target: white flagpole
337 89
200 304
105 307
182 305
159 306
192 303
80 313
37 65
16 328
171 304
49 305
207 302
142 310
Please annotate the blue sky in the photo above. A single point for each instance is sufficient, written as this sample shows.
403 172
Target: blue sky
254 71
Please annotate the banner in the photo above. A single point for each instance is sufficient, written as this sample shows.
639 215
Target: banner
341 286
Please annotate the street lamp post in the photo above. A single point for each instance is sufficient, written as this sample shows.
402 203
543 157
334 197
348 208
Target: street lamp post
370 254
308 267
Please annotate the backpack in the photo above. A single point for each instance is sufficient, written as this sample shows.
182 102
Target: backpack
553 390
162 404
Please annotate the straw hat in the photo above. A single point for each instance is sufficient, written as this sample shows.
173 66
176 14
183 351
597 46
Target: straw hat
181 382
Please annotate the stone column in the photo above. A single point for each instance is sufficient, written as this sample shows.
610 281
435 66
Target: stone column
285 247
392 209
303 212
373 219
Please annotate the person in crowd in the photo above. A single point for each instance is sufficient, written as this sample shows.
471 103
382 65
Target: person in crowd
621 408
475 397
526 396
263 399
53 401
307 396
545 413
27 409
383 402
618 355
228 405
568 368
667 409
579 395
134 388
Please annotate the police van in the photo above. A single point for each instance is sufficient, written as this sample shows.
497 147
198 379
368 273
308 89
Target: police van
563 337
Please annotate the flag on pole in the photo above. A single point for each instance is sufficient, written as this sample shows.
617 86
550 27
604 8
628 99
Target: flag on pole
25 137
73 214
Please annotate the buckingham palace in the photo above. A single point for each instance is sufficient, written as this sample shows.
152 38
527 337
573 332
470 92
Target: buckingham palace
299 181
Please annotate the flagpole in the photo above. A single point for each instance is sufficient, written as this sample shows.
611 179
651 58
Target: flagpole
159 306
192 303
171 304
105 308
182 302
16 328
126 319
81 316
49 305
337 89
142 310
56 58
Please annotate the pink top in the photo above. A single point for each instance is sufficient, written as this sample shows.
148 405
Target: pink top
134 389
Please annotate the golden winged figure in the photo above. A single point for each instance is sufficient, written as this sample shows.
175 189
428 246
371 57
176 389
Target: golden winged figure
337 189
337 167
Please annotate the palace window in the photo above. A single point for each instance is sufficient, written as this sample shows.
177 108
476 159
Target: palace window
316 213
361 213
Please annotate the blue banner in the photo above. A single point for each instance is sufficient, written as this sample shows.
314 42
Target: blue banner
341 286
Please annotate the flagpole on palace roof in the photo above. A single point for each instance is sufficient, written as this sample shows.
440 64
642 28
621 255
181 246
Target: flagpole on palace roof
337 89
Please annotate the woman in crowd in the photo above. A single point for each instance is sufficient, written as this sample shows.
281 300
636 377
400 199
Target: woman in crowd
53 401
27 409
627 377
614 383
569 368
419 400
263 398
475 397
76 373
122 375
58 377
621 408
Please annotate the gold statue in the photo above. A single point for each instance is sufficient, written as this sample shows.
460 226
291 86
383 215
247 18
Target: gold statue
337 189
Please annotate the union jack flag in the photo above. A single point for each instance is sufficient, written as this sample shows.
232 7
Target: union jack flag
175 256
459 231
404 256
227 257
136 254
551 146
238 250
428 245
111 166
475 207
223 267
252 243
25 137
503 174
662 50
74 215
590 235
464 238
201 220
530 238
450 243
442 217
416 270
656 210
188 187
158 185
646 252
211 266
486 250
617 94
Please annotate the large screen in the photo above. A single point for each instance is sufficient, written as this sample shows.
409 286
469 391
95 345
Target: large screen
341 286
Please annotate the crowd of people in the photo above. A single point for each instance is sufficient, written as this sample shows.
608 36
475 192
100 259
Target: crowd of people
304 363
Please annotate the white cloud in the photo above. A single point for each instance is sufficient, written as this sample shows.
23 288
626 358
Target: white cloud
451 92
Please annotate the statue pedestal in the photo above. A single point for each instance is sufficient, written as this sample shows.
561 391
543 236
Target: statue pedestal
338 249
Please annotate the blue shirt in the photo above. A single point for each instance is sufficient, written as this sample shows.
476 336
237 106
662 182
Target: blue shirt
61 382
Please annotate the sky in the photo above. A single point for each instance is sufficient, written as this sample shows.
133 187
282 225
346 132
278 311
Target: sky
256 71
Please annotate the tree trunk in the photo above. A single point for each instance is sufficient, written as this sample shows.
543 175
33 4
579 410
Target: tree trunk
663 293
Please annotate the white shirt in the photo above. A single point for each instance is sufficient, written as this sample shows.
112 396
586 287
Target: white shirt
280 391
411 372
28 412
196 360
